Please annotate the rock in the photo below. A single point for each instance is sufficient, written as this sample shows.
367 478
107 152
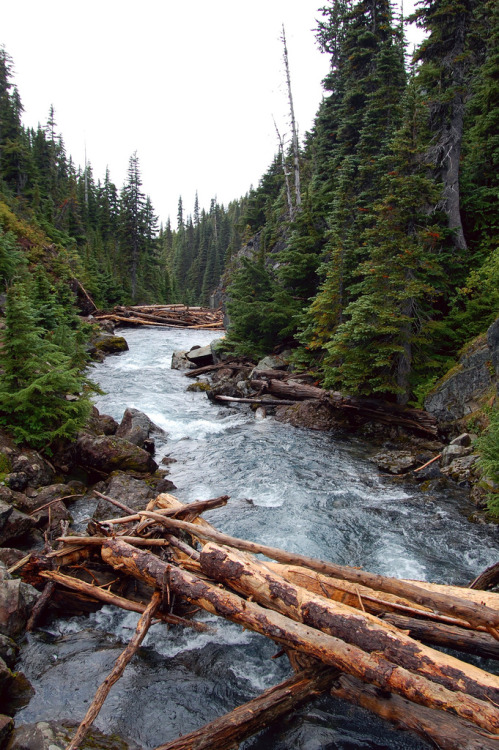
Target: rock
451 452
200 386
106 453
180 362
6 728
101 424
9 556
5 678
314 415
395 461
17 481
461 469
201 356
464 440
5 511
16 602
271 362
136 427
460 391
56 735
109 344
128 490
18 525
8 650
37 470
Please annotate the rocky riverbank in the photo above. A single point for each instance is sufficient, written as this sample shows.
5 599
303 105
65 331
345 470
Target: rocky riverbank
37 496
457 404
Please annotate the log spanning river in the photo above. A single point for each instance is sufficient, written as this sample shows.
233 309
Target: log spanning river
303 491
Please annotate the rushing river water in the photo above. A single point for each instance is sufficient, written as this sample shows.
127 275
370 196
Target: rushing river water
306 492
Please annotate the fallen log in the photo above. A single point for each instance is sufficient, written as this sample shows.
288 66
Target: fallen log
107 597
446 636
118 669
447 732
228 731
213 368
372 667
262 401
476 615
250 577
413 419
487 578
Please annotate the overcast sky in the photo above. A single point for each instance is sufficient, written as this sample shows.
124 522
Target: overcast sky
191 85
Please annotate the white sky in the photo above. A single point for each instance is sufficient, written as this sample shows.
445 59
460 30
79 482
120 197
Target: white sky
191 85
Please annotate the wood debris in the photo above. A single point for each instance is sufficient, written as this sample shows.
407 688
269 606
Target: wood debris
170 316
364 637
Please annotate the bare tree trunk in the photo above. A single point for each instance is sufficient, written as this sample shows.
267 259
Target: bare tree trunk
296 150
286 174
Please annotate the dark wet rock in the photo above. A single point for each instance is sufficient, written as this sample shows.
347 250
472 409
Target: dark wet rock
314 415
133 492
395 461
8 650
224 388
201 356
16 602
6 728
101 424
5 678
109 344
36 469
106 453
17 481
5 511
432 471
180 362
17 526
56 735
460 392
136 427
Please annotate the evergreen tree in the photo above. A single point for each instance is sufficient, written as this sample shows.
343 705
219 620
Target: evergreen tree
41 395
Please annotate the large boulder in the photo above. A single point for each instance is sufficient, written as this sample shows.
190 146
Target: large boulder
109 344
18 526
180 362
17 599
136 427
108 453
201 356
462 390
133 492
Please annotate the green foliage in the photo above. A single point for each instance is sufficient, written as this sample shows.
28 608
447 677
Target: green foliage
488 449
42 396
12 260
259 317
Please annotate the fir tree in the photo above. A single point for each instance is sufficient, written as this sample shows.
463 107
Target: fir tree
41 396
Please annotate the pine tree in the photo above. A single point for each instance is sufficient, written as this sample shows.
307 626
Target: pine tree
374 348
41 396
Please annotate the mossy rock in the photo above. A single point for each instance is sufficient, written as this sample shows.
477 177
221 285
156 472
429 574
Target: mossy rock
199 387
111 344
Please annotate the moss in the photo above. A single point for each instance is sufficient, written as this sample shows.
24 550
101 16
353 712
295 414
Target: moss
199 386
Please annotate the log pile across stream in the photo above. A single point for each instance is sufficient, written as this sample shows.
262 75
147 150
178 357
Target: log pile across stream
363 637
168 316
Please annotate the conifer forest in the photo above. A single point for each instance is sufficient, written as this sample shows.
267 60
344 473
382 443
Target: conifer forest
369 249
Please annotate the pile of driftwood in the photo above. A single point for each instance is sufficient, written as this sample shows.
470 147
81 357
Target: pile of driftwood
176 316
361 636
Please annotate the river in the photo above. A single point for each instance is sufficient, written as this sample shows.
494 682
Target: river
308 492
